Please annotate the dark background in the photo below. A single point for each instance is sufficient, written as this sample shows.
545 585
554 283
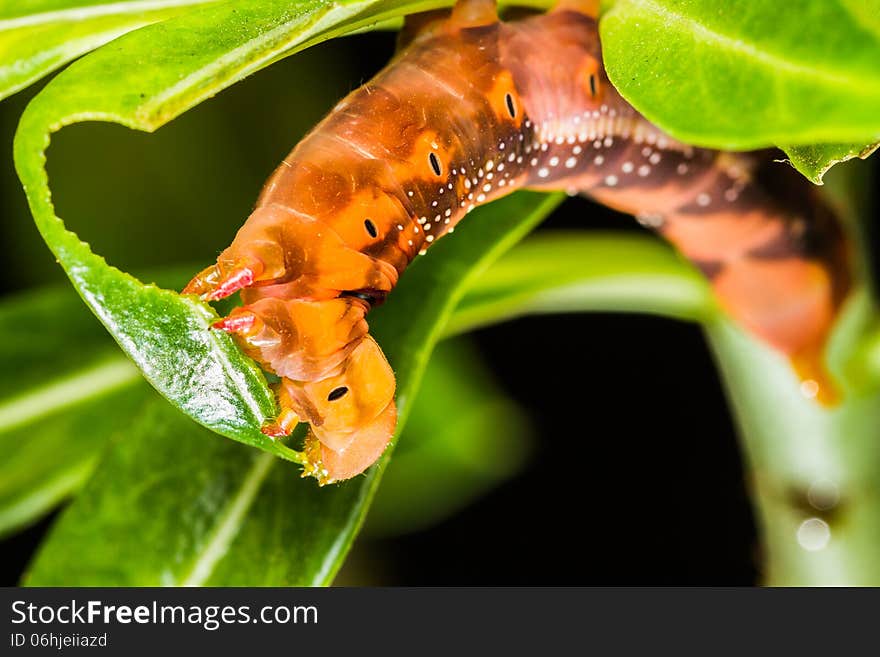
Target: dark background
636 478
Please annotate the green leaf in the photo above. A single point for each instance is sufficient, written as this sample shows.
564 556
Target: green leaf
161 509
64 390
235 502
814 161
463 438
40 36
577 271
738 74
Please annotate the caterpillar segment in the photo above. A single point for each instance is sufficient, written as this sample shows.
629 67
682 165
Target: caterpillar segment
469 110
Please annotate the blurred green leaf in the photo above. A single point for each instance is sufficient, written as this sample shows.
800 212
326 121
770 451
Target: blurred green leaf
64 390
740 74
576 271
463 437
40 36
166 505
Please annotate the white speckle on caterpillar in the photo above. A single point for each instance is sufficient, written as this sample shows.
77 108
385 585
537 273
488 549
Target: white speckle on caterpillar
650 220
627 167
543 172
598 160
644 170
611 180
703 199
570 163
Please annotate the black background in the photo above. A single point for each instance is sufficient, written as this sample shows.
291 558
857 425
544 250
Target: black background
637 478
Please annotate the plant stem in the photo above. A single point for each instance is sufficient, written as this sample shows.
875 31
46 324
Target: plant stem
814 472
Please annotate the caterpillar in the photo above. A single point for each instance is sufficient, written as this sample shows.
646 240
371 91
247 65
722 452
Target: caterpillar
471 109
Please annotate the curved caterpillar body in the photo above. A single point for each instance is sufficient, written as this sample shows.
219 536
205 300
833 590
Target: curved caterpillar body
472 109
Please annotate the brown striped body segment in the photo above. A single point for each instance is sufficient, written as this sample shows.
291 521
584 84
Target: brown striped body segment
470 110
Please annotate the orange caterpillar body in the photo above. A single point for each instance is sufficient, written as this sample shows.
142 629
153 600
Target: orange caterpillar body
472 109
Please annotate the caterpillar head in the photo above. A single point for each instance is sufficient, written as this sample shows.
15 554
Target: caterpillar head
352 414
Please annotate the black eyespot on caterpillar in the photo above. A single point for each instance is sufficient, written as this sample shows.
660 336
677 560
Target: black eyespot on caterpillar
372 297
337 393
435 164
511 108
371 228
593 89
